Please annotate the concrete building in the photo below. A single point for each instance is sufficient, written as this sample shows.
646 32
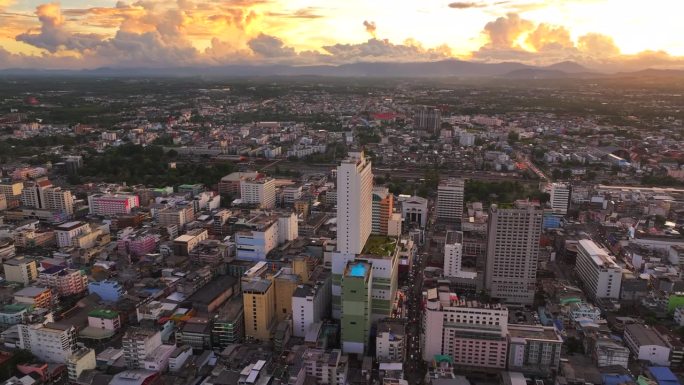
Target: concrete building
258 296
11 190
357 284
228 326
259 191
67 232
104 319
453 255
513 253
64 281
21 269
600 275
137 344
534 349
327 367
186 243
230 184
428 119
291 194
109 291
177 215
311 302
647 345
608 352
112 204
414 210
178 357
449 206
383 207
41 194
34 296
51 342
82 359
286 282
390 341
559 197
473 334
254 243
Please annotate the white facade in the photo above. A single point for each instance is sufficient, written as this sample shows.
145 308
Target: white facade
512 253
65 233
291 194
50 342
138 344
610 353
258 191
253 245
414 210
82 359
112 204
450 200
309 304
679 316
328 367
597 270
645 344
453 254
471 333
354 203
390 347
559 197
288 228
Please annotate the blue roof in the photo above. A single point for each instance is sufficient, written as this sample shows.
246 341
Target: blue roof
616 379
663 375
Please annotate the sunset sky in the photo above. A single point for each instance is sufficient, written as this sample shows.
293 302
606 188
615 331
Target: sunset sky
606 35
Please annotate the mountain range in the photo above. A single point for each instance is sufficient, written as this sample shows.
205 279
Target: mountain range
436 69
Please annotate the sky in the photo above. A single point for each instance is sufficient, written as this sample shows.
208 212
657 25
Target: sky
609 35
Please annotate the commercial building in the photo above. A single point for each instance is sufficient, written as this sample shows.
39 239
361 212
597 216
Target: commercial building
534 349
11 190
82 359
177 215
291 194
255 243
64 281
51 342
608 352
327 367
357 285
258 298
383 207
513 252
259 191
184 244
285 283
40 194
21 269
311 302
230 184
647 345
600 275
453 254
104 319
67 232
390 341
137 344
35 296
228 326
449 206
414 210
559 197
112 204
473 334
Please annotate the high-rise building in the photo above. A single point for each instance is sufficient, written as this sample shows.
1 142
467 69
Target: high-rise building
600 275
513 252
260 191
450 200
473 334
258 298
428 119
354 203
559 197
311 302
51 342
383 206
453 253
286 282
42 195
21 269
112 204
59 200
230 184
357 284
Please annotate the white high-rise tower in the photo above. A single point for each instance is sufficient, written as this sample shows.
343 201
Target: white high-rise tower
354 218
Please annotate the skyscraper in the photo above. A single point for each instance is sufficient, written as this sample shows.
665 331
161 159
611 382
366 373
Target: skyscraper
356 307
428 119
383 206
453 253
513 251
450 200
354 203
559 197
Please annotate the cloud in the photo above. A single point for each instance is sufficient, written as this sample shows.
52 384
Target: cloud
466 5
549 37
52 36
503 33
270 47
384 50
371 28
598 45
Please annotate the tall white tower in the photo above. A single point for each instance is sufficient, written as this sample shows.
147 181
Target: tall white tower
559 197
453 254
354 203
450 200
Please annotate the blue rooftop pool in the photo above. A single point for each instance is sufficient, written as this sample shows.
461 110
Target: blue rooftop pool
358 270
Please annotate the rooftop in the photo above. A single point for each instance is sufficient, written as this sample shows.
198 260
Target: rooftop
104 313
380 245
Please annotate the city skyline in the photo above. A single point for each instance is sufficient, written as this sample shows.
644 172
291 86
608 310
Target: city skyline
604 35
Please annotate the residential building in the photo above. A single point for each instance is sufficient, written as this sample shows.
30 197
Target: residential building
13 314
383 207
559 197
600 275
258 296
82 359
230 184
428 119
291 194
104 319
390 341
11 190
51 342
40 194
453 254
608 352
67 232
647 345
21 269
112 204
449 206
473 334
534 349
259 191
357 285
178 357
228 326
513 252
177 215
311 302
35 296
138 343
64 281
196 333
327 367
109 291
354 203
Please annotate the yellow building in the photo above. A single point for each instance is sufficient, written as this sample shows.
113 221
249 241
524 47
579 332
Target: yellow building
21 270
11 190
258 296
286 282
300 266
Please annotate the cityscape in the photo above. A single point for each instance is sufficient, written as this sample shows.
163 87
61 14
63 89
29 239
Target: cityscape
510 213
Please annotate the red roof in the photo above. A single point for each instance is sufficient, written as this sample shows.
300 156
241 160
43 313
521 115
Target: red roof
384 116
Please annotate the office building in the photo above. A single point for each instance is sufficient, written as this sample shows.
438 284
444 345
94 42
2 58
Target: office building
390 341
137 344
453 254
259 191
67 232
600 275
311 302
449 206
473 334
428 119
51 342
383 207
112 204
357 284
21 269
228 326
647 345
230 184
41 194
559 197
513 252
414 210
258 298
534 349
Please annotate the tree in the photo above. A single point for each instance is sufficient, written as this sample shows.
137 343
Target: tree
556 174
513 137
567 174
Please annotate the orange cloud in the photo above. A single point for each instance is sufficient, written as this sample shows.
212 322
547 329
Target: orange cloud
546 37
598 45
